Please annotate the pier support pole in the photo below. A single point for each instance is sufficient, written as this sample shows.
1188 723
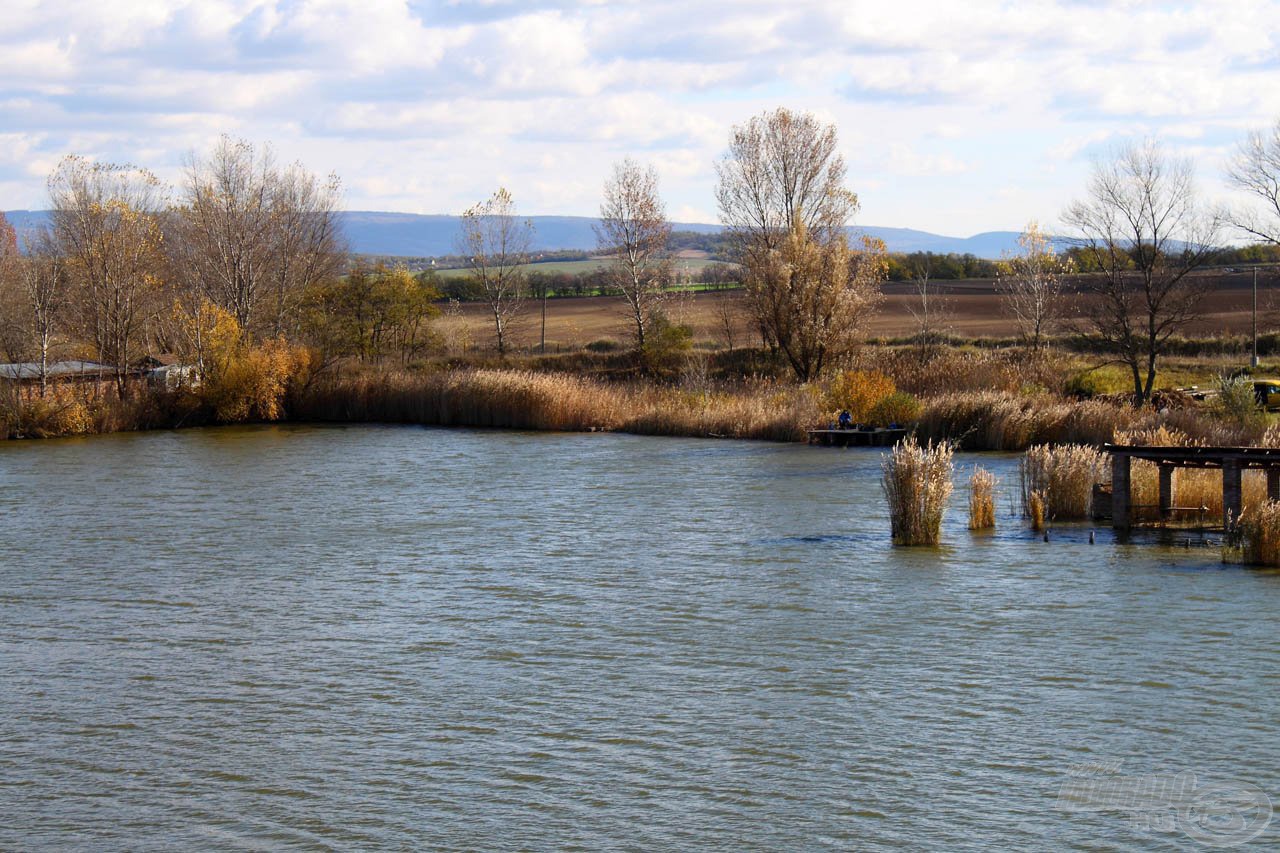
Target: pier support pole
1231 493
1166 490
1120 491
1273 484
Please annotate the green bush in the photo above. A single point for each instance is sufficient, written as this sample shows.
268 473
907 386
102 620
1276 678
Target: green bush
1086 384
897 408
665 344
1237 405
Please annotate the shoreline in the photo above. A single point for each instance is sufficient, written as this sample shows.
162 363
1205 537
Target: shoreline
506 398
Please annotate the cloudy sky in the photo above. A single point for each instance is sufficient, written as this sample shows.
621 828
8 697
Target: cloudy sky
953 117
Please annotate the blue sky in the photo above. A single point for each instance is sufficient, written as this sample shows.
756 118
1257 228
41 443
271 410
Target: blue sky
953 117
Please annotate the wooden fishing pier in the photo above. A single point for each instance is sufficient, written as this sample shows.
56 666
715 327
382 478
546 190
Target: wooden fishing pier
1233 461
857 437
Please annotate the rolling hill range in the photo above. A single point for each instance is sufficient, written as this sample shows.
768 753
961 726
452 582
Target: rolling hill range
414 235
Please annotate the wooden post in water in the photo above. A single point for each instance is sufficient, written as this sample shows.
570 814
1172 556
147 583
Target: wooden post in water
1166 490
1120 491
1231 493
1273 484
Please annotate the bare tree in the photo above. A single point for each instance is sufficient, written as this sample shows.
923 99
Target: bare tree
223 226
930 310
633 231
727 317
308 246
782 168
45 277
13 338
814 296
496 245
783 201
1141 226
1255 169
249 236
105 223
1031 283
8 244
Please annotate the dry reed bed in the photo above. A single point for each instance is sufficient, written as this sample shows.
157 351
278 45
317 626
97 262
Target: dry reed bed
987 420
762 409
1193 488
996 420
1256 538
548 401
982 503
1061 477
934 370
917 484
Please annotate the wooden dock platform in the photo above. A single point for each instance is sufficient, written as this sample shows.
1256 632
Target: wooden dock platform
1231 460
880 437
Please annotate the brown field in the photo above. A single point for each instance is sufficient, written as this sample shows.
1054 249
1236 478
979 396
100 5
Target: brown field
969 308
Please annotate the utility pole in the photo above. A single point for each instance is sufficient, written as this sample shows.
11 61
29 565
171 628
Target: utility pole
1254 361
543 347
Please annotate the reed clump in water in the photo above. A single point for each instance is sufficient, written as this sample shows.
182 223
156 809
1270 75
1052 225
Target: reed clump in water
1064 476
917 484
1035 510
982 503
1255 541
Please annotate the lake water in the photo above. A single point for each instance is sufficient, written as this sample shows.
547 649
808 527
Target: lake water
377 637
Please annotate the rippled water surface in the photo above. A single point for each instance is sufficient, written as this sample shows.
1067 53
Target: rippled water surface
406 638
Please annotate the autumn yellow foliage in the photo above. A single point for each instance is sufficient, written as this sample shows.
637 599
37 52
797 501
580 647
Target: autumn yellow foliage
253 383
208 335
859 392
60 411
240 380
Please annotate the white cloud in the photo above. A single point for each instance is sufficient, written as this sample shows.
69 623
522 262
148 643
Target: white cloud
906 161
426 104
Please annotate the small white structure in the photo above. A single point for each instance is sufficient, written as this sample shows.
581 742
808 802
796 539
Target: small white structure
173 376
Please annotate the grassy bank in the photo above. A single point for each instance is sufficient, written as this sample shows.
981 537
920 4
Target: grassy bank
522 399
980 400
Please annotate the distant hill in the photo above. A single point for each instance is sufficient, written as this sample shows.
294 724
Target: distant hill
26 220
375 233
413 235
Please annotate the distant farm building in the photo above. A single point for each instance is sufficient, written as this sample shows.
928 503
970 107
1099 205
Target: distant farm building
28 372
155 372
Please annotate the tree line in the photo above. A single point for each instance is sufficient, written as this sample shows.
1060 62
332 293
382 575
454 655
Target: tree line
128 266
246 253
592 282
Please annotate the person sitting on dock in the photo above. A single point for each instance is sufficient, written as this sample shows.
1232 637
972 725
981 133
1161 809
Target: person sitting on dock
846 420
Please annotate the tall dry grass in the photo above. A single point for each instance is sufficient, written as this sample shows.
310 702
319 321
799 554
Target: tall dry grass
1197 492
547 401
1255 540
917 484
975 400
944 370
1002 420
1035 510
478 398
1064 475
982 504
997 420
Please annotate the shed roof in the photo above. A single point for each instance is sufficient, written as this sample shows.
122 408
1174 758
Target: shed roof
56 370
